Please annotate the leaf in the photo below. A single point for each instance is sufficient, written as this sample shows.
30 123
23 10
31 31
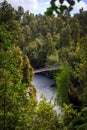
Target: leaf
71 2
57 12
52 1
49 12
53 6
70 8
78 0
61 1
62 8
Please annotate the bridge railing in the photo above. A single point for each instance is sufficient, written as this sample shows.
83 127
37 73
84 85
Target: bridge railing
45 69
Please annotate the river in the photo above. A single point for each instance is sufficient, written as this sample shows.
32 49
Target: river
43 87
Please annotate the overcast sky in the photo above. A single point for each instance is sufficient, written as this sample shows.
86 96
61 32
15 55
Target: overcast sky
40 6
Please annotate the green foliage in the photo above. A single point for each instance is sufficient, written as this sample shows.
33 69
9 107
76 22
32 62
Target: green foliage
44 117
5 39
75 33
13 82
19 13
81 69
70 118
52 59
7 16
16 32
82 19
62 81
83 119
61 8
7 13
35 51
47 41
65 36
81 51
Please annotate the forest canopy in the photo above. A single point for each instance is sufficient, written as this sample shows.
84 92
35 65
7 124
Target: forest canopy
29 42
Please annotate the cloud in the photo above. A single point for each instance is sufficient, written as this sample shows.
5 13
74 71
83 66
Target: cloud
30 4
26 4
34 6
77 6
40 6
80 5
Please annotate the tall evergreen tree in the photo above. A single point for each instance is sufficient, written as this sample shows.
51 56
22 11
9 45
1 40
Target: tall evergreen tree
15 78
65 36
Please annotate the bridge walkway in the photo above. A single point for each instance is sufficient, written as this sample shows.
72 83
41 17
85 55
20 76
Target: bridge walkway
44 69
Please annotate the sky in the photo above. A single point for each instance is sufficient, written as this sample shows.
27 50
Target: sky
40 6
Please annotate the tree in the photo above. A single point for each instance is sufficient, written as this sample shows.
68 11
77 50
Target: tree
15 78
65 36
52 59
70 118
19 13
16 32
27 35
81 69
44 117
59 24
75 30
7 13
61 8
83 119
63 85
82 19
